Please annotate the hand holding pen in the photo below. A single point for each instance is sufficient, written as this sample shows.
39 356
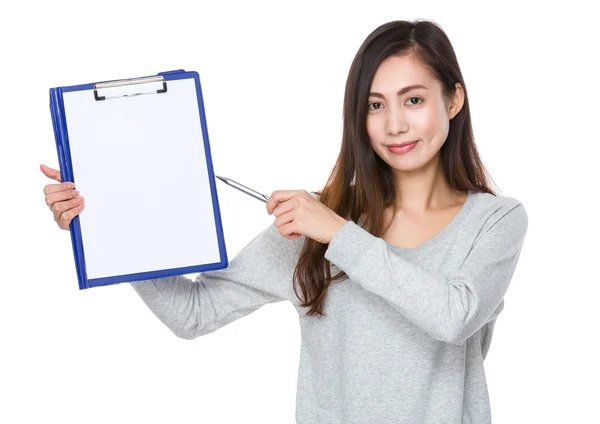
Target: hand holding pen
297 212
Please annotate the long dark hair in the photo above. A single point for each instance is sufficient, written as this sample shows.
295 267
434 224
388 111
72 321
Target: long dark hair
361 185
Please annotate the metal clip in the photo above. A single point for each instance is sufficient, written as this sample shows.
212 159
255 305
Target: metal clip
115 85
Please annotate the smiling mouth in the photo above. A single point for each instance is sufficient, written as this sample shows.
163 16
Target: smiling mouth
406 143
403 148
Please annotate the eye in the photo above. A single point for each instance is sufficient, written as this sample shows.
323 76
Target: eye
421 100
374 103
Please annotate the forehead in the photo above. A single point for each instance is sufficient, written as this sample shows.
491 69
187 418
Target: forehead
396 72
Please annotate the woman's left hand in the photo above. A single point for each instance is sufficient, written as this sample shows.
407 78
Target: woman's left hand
298 213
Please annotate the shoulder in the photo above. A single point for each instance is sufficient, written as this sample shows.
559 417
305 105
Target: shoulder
489 210
491 205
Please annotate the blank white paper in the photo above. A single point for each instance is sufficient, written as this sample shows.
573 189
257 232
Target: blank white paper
141 166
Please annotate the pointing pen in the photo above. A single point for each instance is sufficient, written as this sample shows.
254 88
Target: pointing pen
244 189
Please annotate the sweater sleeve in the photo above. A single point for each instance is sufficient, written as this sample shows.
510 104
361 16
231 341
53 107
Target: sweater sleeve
259 274
450 309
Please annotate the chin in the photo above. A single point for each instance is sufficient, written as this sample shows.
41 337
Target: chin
406 168
407 163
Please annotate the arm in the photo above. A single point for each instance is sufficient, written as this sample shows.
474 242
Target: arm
450 309
259 274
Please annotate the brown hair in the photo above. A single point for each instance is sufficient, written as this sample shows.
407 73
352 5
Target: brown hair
361 184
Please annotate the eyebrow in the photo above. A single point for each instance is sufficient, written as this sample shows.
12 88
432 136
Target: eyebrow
401 91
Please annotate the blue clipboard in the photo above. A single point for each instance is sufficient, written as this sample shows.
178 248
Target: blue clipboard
138 151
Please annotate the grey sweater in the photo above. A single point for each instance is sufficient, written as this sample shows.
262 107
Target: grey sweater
404 338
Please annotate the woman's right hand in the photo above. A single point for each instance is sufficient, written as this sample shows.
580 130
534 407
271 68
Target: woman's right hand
62 199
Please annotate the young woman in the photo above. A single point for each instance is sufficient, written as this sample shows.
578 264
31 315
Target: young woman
398 267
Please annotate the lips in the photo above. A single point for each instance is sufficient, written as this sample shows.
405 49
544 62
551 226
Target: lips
406 143
402 148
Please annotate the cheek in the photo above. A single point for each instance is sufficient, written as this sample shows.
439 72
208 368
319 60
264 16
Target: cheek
439 126
372 128
431 124
376 132
376 135
425 121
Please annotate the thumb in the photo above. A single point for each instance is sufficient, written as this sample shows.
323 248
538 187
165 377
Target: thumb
51 172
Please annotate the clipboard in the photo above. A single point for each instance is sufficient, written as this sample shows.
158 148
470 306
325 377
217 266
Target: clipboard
138 151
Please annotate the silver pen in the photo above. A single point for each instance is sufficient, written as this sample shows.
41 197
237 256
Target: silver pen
244 189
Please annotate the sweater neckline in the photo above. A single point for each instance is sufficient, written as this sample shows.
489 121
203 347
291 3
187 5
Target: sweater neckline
458 219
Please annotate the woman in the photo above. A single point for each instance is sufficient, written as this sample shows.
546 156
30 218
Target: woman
421 248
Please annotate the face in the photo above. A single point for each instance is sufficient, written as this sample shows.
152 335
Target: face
420 114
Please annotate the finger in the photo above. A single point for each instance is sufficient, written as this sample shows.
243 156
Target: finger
284 223
60 196
288 230
283 208
283 219
53 188
61 207
280 196
67 216
51 172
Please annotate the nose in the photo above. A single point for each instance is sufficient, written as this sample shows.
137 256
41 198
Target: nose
395 122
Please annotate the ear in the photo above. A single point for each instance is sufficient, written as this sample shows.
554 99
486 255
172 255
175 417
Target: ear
457 101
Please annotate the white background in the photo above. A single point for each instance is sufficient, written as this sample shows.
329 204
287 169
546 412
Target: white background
273 77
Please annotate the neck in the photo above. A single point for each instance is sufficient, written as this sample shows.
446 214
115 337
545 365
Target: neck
425 190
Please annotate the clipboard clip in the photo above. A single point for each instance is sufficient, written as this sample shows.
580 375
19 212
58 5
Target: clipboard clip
123 88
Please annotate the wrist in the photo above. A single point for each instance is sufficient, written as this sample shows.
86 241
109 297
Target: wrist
340 223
